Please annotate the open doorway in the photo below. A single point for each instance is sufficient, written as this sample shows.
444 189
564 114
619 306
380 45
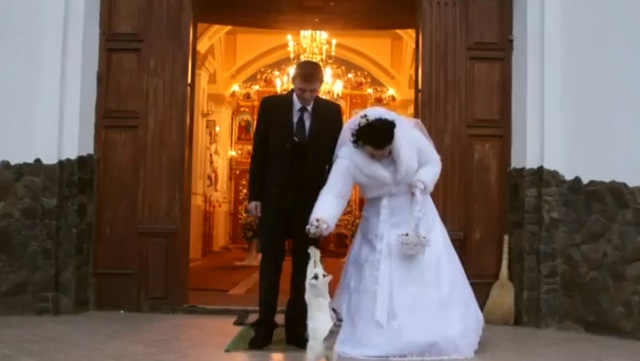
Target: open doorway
235 68
143 143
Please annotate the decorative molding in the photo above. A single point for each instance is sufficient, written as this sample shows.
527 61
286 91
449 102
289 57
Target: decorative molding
210 36
210 64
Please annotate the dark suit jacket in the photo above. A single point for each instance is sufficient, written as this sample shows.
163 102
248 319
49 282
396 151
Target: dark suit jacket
273 146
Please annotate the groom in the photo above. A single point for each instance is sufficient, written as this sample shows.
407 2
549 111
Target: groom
295 137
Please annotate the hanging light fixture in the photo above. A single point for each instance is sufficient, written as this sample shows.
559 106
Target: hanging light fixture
312 45
315 45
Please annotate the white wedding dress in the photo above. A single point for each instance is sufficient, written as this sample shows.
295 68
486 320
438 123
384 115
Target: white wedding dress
392 305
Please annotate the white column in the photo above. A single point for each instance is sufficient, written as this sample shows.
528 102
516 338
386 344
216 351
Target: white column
554 131
47 78
30 65
537 127
520 84
88 81
197 165
527 84
222 226
78 77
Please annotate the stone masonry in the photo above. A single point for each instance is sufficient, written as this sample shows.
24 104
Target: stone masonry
46 232
575 252
575 247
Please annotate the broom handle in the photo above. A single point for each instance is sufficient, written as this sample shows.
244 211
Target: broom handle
504 269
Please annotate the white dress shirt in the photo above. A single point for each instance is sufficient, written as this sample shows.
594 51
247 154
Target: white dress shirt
296 113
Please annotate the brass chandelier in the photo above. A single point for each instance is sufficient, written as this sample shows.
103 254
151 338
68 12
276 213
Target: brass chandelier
312 45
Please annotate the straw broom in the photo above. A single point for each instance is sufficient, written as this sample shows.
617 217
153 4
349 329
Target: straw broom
500 307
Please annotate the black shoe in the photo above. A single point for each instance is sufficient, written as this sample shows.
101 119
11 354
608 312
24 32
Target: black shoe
261 339
298 340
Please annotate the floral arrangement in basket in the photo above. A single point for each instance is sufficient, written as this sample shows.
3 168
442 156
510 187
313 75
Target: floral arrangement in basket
414 243
249 231
250 228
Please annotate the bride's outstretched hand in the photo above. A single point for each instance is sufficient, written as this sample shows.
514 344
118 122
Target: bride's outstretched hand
318 228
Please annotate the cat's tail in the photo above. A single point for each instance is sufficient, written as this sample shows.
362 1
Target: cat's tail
335 330
336 318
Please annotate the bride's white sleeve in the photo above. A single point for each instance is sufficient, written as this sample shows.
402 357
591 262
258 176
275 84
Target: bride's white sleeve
336 193
429 163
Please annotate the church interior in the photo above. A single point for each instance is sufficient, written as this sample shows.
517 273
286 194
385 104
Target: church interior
235 68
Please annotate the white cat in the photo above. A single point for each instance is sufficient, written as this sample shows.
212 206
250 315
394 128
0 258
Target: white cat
319 313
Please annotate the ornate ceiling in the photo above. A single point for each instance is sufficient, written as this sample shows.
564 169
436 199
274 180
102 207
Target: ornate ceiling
234 54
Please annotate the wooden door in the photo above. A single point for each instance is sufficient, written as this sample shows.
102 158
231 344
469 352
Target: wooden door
141 250
465 103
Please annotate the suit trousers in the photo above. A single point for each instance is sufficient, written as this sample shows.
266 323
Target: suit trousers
291 224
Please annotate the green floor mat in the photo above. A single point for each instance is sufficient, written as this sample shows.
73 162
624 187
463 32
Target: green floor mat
241 342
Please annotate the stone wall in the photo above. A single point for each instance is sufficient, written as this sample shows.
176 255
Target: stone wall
46 232
575 252
575 246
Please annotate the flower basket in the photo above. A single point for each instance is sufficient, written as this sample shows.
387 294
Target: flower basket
250 229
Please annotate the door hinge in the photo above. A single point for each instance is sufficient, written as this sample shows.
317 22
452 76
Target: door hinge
510 37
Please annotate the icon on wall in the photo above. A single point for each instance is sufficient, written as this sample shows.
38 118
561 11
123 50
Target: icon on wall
244 125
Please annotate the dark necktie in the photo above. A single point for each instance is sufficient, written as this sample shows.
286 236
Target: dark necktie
301 127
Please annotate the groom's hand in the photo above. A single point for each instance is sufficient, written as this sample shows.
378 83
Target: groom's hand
255 209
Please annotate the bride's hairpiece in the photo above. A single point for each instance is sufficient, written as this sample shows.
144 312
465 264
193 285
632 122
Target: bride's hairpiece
364 119
375 129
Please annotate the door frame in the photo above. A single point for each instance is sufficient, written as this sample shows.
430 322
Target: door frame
176 284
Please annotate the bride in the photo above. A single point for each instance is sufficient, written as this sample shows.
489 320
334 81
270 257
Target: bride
394 303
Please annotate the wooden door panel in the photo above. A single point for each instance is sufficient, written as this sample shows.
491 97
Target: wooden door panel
488 103
486 153
118 200
156 258
293 14
443 104
123 79
115 267
123 19
487 22
161 226
118 134
141 138
466 86
486 79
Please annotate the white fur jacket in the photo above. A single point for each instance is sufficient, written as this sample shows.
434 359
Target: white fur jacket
416 160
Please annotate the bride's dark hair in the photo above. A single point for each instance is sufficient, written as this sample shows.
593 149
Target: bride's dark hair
376 133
